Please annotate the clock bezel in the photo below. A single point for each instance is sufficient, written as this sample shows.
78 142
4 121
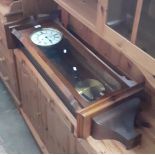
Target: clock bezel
46 28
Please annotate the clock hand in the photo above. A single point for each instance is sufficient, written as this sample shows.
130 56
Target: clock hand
56 36
51 41
48 39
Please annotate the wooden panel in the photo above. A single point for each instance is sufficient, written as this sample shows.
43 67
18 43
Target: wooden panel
85 11
8 71
101 15
49 116
34 7
58 133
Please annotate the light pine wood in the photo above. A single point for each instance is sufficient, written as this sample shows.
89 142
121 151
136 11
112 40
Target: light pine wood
34 133
136 21
35 7
84 13
50 118
11 11
101 18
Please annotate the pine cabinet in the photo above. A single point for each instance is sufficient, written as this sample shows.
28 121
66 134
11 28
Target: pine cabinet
40 104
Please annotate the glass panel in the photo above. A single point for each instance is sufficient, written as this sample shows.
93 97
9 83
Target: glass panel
85 77
121 16
146 32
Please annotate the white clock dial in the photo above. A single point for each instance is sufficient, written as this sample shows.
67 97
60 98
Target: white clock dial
46 37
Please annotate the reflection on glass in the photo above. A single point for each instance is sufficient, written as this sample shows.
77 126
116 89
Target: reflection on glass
146 33
121 16
85 77
90 89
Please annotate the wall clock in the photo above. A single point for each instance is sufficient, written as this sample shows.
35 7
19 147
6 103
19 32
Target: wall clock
104 104
46 37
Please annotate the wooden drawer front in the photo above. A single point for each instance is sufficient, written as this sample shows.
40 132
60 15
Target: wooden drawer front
45 110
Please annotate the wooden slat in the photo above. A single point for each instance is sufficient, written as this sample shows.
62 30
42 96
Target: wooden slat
101 15
136 21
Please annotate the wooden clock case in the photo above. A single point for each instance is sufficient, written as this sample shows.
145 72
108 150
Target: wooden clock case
40 104
126 101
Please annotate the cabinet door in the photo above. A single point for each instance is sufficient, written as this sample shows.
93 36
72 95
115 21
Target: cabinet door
33 95
30 94
45 110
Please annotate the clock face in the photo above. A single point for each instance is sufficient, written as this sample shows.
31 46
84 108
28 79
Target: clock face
46 37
